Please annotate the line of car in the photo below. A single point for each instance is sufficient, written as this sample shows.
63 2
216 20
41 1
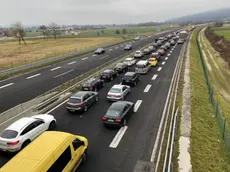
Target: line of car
24 131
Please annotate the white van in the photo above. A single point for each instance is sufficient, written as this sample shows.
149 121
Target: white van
142 67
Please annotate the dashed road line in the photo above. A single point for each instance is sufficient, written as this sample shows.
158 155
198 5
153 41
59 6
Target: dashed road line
103 57
147 88
169 54
63 73
7 85
154 77
166 58
33 76
110 49
94 55
85 58
159 69
163 63
116 140
71 62
137 105
116 47
171 51
56 68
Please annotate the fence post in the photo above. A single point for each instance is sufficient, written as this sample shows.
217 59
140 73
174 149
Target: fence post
224 128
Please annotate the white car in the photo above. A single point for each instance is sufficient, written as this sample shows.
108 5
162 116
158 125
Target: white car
129 61
138 54
137 38
19 134
118 92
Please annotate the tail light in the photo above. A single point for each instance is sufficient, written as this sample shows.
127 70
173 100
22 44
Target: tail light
118 96
13 143
104 118
91 88
81 105
118 120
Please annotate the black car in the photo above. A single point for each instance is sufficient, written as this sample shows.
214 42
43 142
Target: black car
118 114
130 78
108 75
81 101
128 47
161 52
100 51
93 84
121 67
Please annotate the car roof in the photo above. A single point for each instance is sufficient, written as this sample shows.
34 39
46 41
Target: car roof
129 58
21 123
118 86
129 73
90 80
138 51
107 70
79 94
142 62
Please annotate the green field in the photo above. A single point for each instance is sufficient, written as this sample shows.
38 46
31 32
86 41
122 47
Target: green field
130 31
208 152
223 31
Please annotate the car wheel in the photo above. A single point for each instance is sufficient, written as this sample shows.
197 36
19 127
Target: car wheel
97 99
135 83
111 79
84 157
95 89
124 122
26 143
85 108
52 125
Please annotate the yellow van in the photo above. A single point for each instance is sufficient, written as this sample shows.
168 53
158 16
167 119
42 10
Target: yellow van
52 151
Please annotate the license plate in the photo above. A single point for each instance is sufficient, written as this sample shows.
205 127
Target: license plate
127 81
103 76
86 89
110 120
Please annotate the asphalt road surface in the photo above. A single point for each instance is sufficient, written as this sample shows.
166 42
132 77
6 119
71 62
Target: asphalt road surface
26 87
114 150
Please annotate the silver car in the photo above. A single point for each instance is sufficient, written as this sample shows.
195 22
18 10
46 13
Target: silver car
118 92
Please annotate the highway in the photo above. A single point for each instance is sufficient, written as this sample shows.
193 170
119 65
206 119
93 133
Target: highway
114 150
23 88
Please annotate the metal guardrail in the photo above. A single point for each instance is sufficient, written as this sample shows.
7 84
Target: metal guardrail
167 165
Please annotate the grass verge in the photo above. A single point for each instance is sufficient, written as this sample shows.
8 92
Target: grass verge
12 54
208 152
225 32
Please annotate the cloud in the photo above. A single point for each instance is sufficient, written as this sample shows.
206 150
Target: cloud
100 11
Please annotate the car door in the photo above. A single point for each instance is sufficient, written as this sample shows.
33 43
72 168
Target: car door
125 88
86 100
78 150
39 128
125 114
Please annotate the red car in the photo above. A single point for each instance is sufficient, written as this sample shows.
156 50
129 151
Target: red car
161 52
156 55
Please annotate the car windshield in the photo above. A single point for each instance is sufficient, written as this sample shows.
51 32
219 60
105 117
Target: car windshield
138 52
115 90
74 100
140 66
9 134
113 113
128 60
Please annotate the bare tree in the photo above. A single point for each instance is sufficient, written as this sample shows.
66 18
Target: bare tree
54 29
19 32
45 31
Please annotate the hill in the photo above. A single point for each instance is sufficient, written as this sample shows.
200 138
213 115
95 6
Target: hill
220 14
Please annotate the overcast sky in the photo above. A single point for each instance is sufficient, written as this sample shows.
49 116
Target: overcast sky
37 12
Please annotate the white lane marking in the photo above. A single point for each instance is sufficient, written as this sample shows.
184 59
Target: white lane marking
55 68
171 51
116 47
159 69
103 57
154 77
110 49
166 58
7 85
63 73
163 63
58 106
94 55
169 54
71 62
147 88
33 76
116 140
121 45
85 58
137 105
